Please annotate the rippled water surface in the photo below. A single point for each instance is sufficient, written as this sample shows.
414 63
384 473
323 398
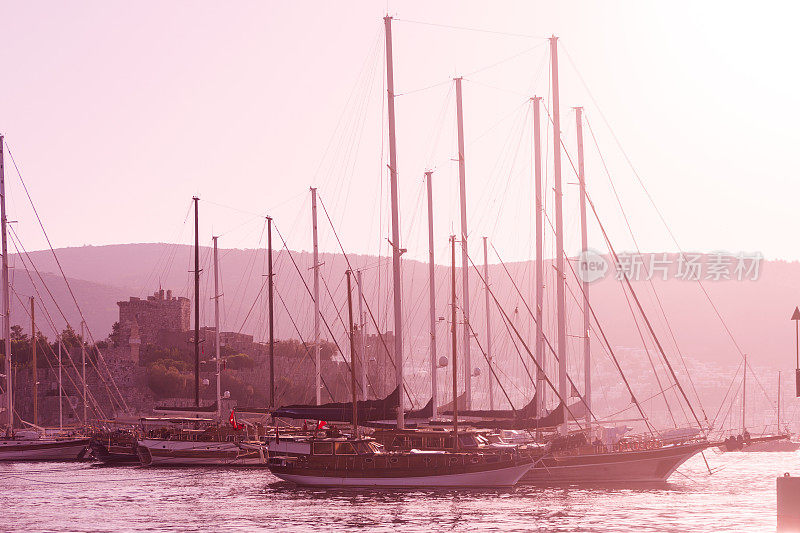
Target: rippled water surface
739 496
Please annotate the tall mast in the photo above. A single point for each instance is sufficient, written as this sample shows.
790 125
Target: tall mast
454 339
60 387
562 326
271 286
539 344
488 324
361 324
432 296
353 386
462 180
35 366
744 392
6 291
315 267
83 372
587 357
396 250
217 350
779 401
196 305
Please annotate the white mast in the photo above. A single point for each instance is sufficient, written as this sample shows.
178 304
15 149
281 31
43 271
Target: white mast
361 323
6 291
315 267
744 393
60 388
537 151
83 372
779 401
216 329
464 249
395 242
432 296
561 336
587 357
488 325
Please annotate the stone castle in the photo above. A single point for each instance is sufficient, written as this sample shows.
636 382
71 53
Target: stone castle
144 319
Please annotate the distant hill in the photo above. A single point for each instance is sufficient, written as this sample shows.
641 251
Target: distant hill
756 312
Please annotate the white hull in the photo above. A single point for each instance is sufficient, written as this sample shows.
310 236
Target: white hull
156 452
612 468
772 446
505 477
43 449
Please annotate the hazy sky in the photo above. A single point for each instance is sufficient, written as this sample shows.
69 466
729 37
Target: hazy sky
119 112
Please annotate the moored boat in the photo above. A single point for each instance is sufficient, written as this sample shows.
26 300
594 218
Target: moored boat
364 463
30 446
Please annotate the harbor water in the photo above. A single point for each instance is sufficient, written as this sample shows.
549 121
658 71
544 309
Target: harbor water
738 496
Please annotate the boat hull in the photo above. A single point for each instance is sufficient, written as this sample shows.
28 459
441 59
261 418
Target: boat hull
43 450
113 453
504 477
154 452
644 466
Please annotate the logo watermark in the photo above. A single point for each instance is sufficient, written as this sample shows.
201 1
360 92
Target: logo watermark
716 266
592 266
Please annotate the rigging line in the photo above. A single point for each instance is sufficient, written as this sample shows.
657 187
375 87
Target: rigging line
652 285
507 59
555 355
63 275
496 88
366 304
630 288
714 420
17 245
505 317
643 401
491 367
55 357
644 316
305 346
344 326
657 210
413 91
466 28
609 350
544 337
308 290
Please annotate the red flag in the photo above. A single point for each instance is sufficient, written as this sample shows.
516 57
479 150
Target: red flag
321 424
232 420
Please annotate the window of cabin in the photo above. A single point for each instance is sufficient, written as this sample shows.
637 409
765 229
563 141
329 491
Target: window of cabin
363 448
345 448
467 441
323 448
433 443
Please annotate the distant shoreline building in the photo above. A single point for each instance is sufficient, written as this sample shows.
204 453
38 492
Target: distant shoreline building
143 320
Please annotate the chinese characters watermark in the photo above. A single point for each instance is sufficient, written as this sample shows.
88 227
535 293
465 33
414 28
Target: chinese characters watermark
716 266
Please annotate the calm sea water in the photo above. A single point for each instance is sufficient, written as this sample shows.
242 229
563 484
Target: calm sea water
739 496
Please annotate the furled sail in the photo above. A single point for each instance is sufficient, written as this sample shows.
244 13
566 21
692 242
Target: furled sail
381 409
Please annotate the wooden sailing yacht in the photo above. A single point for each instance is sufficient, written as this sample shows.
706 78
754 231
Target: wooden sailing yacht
363 462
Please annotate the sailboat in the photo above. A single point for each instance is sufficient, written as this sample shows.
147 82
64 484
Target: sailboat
362 462
744 442
30 444
195 439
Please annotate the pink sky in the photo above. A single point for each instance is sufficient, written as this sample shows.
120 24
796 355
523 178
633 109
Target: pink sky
118 114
